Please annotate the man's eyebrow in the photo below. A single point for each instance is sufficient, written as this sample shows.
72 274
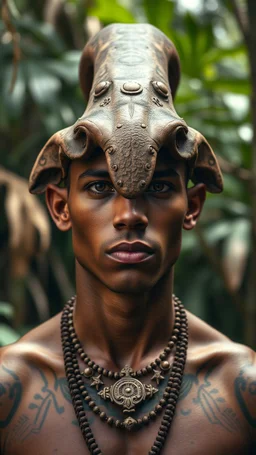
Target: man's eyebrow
94 173
166 173
104 174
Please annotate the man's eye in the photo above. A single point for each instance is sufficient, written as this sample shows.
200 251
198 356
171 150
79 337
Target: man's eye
100 187
159 187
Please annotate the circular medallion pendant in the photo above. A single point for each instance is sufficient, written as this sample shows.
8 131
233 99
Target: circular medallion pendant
128 392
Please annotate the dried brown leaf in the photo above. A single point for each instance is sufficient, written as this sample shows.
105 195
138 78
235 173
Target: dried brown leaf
26 217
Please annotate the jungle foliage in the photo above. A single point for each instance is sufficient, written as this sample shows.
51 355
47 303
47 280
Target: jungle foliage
39 54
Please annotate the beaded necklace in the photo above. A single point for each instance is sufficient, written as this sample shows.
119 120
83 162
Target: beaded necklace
127 381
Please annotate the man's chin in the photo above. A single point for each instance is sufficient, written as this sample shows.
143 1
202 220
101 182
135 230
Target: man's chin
130 287
132 280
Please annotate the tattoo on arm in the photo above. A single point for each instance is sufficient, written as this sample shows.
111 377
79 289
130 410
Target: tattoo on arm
10 396
209 399
245 392
10 399
214 406
46 399
53 395
49 397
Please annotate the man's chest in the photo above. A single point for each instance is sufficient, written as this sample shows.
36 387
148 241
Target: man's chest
205 421
60 433
41 419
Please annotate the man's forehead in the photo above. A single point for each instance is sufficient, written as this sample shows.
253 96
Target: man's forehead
97 161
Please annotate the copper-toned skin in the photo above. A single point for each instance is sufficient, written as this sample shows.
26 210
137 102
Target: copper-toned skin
124 315
126 241
129 75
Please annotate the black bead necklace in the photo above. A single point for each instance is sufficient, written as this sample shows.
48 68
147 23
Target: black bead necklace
79 393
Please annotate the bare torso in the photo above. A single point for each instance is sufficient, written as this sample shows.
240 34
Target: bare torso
215 414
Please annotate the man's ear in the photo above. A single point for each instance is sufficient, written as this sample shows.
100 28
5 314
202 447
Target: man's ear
56 200
196 197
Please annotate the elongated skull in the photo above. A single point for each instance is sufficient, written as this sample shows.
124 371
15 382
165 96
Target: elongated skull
129 75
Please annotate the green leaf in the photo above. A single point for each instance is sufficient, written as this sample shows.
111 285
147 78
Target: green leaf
42 34
14 101
108 14
217 231
6 310
230 206
22 148
189 242
192 30
66 68
160 14
7 335
221 84
43 86
215 55
195 291
232 186
206 40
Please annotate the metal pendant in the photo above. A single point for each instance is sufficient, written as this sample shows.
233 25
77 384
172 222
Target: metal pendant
128 391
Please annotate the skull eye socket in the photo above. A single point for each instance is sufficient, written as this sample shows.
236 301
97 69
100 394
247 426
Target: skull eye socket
101 88
161 88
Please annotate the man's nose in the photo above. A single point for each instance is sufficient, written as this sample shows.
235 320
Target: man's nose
130 214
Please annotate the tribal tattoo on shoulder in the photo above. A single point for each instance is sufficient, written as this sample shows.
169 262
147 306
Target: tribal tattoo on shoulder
10 396
209 399
245 392
52 394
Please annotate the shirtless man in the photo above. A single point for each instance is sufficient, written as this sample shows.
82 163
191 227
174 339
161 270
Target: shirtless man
110 378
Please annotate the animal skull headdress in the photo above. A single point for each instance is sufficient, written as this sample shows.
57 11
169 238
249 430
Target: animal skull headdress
129 75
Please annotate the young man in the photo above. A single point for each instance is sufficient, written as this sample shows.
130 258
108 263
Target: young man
125 369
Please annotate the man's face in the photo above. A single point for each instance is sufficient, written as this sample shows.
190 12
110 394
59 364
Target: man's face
127 244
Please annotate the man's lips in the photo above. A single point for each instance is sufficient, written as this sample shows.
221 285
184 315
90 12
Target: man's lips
129 253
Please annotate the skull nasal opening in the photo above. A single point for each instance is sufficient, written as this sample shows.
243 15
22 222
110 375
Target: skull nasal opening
82 142
180 138
80 136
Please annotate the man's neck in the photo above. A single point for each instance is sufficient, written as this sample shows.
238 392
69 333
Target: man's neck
116 329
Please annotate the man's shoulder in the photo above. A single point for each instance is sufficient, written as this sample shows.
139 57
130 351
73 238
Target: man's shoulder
27 364
40 346
212 346
227 366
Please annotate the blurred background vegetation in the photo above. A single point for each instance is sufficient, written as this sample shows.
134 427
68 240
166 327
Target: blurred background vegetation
40 47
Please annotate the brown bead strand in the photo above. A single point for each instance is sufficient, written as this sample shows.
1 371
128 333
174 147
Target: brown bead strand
146 418
116 375
77 388
172 401
79 381
176 374
69 355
